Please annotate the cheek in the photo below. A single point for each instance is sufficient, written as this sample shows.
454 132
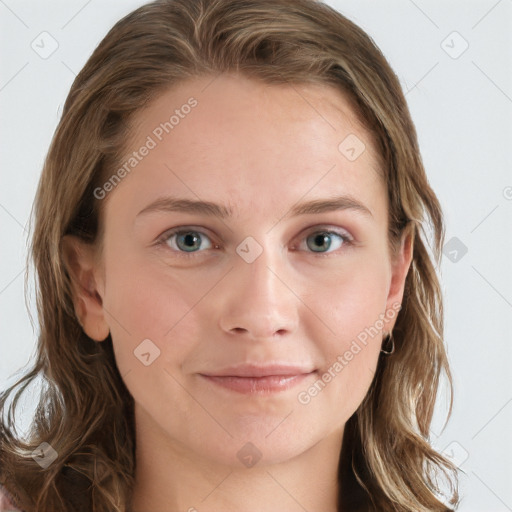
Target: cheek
143 303
352 305
351 298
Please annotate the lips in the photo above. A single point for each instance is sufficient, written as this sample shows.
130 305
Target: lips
251 370
249 378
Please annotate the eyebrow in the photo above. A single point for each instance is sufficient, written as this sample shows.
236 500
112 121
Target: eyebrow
316 206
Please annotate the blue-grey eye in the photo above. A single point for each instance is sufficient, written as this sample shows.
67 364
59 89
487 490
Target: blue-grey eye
322 241
187 241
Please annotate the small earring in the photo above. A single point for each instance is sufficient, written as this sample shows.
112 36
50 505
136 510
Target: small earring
389 338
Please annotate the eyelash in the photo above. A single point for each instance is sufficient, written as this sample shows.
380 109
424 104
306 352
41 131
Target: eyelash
348 241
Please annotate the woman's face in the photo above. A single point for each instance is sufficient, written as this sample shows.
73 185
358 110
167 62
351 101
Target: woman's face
280 267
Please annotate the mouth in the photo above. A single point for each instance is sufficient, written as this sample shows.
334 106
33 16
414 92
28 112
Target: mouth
252 379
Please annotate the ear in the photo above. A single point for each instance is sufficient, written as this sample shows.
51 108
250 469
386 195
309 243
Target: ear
399 270
79 260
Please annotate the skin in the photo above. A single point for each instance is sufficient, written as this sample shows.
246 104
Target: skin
258 149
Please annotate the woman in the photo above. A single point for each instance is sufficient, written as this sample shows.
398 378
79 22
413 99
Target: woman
200 348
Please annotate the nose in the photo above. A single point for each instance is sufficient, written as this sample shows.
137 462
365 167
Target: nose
256 301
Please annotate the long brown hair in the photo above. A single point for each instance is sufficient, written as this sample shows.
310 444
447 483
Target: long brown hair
85 412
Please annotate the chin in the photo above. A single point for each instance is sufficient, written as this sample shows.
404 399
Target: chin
258 443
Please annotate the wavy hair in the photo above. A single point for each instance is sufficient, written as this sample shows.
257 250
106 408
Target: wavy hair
84 411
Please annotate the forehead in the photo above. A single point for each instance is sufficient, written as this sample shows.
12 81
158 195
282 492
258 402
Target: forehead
230 102
231 137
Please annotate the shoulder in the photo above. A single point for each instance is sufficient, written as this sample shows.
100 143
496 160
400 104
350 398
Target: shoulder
7 503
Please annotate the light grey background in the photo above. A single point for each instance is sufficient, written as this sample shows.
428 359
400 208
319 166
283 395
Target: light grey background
461 102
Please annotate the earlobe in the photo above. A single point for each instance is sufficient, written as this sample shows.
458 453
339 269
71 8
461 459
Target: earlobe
79 261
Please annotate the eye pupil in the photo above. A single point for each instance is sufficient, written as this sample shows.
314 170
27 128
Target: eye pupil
321 239
189 240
